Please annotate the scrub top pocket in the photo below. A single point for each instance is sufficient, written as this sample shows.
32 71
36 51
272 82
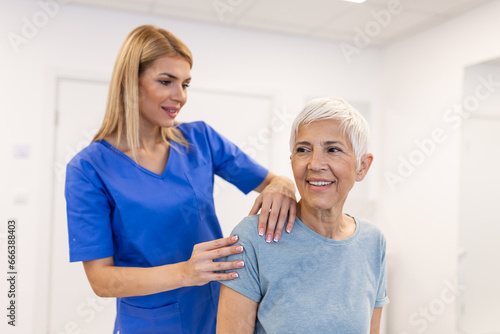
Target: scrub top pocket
138 320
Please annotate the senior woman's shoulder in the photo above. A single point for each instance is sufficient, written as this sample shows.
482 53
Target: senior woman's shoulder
370 228
247 228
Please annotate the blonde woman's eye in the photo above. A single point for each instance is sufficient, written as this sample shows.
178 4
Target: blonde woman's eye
165 82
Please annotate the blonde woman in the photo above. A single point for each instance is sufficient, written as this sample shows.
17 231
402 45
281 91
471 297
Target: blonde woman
139 198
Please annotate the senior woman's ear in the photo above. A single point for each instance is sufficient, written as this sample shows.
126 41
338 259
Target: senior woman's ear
366 162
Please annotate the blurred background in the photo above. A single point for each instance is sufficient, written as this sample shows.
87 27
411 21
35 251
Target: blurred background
424 73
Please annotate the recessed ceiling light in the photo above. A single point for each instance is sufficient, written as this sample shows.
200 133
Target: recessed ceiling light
356 1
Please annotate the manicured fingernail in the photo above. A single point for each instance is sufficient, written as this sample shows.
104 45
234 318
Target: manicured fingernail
276 238
240 264
234 238
261 231
239 248
235 275
288 231
269 238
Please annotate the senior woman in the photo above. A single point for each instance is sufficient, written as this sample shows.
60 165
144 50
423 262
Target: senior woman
329 275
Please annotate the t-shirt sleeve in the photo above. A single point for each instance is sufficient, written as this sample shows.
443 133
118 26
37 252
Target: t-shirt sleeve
234 165
382 298
88 213
247 282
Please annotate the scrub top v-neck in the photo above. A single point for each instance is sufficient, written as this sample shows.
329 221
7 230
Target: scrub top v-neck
144 169
143 219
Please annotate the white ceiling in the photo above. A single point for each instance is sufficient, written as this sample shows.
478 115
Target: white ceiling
334 20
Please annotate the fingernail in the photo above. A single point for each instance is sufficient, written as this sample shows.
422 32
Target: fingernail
276 238
235 275
288 231
239 248
234 238
269 238
261 231
240 264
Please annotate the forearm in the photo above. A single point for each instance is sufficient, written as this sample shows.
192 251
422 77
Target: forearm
108 280
375 321
112 281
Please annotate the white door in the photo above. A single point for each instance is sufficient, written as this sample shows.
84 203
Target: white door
80 105
479 265
73 306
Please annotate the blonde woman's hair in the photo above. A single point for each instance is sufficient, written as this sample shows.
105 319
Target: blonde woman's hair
141 48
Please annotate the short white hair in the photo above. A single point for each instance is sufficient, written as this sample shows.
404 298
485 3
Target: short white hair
351 122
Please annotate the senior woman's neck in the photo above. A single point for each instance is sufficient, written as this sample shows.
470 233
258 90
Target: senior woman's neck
331 223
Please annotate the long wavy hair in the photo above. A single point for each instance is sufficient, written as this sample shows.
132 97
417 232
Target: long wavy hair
141 48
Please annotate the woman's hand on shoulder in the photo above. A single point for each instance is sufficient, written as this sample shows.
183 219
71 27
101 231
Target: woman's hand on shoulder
276 203
202 268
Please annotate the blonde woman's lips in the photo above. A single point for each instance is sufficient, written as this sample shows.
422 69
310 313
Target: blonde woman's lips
172 112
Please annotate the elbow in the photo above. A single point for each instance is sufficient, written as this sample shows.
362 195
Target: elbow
102 287
100 277
101 291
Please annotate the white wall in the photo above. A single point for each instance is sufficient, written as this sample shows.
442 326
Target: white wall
82 42
423 79
415 81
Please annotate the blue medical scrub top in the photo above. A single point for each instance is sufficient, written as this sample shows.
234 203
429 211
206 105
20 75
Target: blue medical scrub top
115 207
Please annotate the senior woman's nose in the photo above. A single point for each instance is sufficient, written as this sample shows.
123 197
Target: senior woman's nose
317 160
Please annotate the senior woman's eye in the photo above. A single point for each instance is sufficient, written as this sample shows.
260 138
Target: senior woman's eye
334 149
301 149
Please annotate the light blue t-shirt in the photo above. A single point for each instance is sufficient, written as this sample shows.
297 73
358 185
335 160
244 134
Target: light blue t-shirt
307 283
